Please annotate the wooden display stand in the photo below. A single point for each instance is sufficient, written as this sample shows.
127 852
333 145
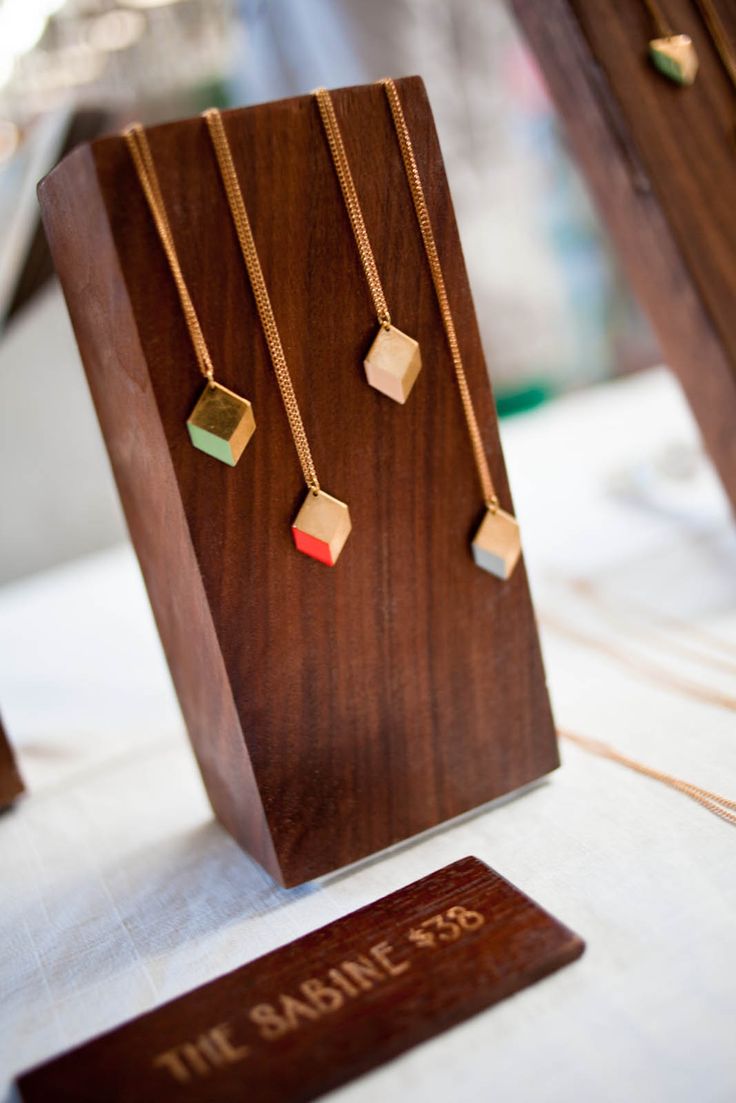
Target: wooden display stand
661 164
333 711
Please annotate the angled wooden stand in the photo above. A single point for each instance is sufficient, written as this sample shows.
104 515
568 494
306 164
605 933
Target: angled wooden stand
333 711
11 783
661 164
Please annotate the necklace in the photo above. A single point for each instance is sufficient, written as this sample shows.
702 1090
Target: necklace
393 361
496 545
323 524
221 423
652 628
644 669
720 806
672 54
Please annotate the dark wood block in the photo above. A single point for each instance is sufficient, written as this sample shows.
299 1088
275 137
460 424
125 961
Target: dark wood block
11 783
330 1006
336 711
660 163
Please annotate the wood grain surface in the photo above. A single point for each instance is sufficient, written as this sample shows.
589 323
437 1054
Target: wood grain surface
333 711
326 1008
661 164
11 783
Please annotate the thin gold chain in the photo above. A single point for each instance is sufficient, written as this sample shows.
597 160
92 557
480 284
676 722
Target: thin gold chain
641 667
140 151
350 196
430 248
661 26
719 36
719 806
260 293
649 623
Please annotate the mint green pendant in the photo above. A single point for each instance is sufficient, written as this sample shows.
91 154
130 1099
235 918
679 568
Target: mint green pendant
221 424
675 57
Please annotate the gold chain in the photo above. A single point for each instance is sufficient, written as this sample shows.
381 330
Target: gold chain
260 293
661 26
643 668
137 142
430 248
719 806
720 38
350 196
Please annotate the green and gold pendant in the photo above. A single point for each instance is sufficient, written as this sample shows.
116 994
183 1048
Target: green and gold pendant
221 424
675 57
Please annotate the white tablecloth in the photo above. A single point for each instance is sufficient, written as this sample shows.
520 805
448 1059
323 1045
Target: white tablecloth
119 892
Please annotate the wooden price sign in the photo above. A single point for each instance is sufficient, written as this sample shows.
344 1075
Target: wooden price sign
330 1006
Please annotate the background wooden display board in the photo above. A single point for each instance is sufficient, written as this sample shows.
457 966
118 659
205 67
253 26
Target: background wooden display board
661 163
332 711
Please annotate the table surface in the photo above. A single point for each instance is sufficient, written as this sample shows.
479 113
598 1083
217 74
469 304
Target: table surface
119 891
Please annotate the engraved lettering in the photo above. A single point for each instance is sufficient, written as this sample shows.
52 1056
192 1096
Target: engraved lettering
381 953
468 920
193 1057
363 972
342 982
321 997
270 1025
422 938
292 1008
445 928
315 997
210 1051
447 932
229 1052
173 1062
213 1049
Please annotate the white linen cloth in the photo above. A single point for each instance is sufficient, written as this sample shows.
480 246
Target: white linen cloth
119 892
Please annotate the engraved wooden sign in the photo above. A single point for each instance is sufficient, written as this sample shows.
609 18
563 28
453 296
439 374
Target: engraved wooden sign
326 1008
333 710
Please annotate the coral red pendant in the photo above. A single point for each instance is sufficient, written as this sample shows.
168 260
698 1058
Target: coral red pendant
321 527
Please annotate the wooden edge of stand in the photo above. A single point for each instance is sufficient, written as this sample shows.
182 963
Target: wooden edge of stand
11 782
148 491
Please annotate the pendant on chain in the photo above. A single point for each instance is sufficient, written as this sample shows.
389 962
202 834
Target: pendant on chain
497 543
674 56
321 527
393 363
221 424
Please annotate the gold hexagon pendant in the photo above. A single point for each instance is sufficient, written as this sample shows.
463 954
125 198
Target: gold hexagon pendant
221 424
393 363
497 543
321 527
675 57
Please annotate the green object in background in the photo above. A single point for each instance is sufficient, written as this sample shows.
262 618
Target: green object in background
213 93
517 400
